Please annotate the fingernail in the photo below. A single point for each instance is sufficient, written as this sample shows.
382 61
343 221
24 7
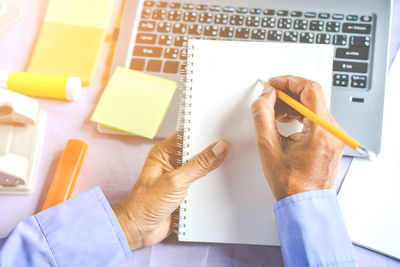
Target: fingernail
267 88
219 148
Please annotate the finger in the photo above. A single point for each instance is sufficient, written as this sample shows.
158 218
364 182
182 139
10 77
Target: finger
310 93
162 156
201 164
263 110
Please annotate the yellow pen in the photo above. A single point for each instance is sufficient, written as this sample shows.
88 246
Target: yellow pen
306 112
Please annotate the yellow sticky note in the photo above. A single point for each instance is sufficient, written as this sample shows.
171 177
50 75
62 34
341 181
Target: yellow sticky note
86 13
67 50
134 102
71 38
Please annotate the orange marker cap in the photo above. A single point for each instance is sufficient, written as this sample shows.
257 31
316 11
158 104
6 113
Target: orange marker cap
66 174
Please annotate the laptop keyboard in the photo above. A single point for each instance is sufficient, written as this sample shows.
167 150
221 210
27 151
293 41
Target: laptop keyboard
165 28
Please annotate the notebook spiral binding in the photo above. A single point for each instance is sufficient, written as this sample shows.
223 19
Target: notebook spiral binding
183 126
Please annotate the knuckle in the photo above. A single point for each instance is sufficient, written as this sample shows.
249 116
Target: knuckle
203 162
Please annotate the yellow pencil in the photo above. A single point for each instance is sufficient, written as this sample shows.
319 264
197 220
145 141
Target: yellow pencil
306 112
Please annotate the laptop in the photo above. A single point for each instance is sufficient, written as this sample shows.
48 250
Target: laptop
153 36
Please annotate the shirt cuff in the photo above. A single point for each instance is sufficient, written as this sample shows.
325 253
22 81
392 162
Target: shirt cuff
83 231
312 231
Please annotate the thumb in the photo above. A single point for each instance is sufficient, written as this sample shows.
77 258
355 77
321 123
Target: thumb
203 163
263 110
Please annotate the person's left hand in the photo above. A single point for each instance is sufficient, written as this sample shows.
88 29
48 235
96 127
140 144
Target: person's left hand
145 215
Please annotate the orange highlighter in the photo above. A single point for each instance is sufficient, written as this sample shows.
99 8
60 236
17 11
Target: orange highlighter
66 174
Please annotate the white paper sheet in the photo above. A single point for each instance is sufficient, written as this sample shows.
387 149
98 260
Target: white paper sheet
234 203
370 194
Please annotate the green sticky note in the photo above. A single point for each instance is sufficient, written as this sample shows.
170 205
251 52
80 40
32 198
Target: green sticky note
134 102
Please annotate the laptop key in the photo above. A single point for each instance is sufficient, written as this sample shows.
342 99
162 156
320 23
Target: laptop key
340 40
221 19
268 22
174 15
226 32
242 33
296 14
183 54
171 67
255 11
316 25
282 13
146 13
253 21
190 16
360 41
137 64
236 20
300 24
356 28
324 15
171 53
353 53
147 51
188 6
162 4
228 9
164 27
341 80
306 37
147 26
284 23
165 39
159 14
338 16
175 5
148 3
154 65
333 26
258 34
366 18
181 40
205 17
290 37
242 10
269 12
215 8
359 81
352 17
346 66
210 30
202 7
179 28
146 38
274 35
195 29
311 15
323 38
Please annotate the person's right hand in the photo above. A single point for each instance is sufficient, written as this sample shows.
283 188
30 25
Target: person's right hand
303 161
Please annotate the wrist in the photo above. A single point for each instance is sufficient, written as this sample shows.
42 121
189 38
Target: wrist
129 226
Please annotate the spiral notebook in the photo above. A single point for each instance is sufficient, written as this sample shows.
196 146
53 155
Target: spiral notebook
234 204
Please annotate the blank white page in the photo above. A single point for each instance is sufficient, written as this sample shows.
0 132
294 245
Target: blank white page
234 204
370 194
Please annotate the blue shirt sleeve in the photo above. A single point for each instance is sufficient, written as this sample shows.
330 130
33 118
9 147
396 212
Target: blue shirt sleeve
82 231
312 231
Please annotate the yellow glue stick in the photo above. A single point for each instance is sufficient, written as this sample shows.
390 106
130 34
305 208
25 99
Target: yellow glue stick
41 85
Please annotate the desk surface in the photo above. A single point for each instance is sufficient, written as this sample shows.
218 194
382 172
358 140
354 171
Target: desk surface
113 162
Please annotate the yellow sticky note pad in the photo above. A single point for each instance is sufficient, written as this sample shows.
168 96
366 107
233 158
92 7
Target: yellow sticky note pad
134 102
67 50
71 38
86 13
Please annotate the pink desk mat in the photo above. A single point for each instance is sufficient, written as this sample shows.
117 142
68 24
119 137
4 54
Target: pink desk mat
113 162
